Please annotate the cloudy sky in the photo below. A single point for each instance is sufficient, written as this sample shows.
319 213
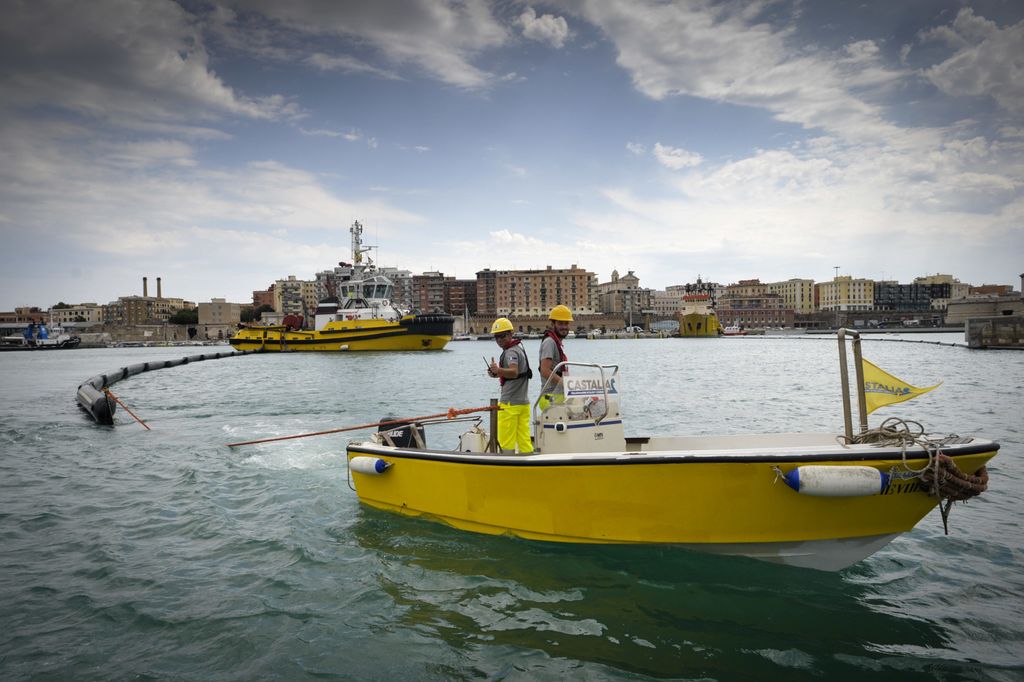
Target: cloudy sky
222 145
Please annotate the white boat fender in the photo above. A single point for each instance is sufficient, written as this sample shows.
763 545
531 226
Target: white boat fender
372 466
836 481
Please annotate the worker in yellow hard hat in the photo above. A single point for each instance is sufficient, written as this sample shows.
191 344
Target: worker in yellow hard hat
513 371
552 353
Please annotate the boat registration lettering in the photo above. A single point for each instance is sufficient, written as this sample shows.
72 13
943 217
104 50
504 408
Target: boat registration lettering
897 487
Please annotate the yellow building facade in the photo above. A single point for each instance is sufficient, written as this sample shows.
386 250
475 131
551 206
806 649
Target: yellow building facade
846 293
797 294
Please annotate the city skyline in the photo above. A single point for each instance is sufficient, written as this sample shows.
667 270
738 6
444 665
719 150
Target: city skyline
223 146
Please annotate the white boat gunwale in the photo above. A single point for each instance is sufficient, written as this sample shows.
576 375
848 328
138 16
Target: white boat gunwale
796 456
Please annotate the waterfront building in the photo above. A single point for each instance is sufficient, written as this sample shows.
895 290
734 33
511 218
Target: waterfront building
844 293
624 296
486 292
294 296
460 296
750 303
145 309
219 312
134 310
80 313
219 319
23 315
262 298
797 294
892 296
666 303
429 291
535 292
953 289
1005 306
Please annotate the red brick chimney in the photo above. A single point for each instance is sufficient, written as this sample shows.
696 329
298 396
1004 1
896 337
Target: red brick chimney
159 293
145 288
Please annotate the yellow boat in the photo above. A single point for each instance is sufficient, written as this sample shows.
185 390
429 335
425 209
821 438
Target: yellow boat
697 317
405 332
361 317
802 499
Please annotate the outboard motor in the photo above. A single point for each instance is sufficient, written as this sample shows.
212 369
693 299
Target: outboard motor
401 433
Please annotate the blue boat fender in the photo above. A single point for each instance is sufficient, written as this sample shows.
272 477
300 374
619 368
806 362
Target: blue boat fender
837 481
373 466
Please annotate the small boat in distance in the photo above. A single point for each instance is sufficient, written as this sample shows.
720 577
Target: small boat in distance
734 330
813 500
38 337
361 316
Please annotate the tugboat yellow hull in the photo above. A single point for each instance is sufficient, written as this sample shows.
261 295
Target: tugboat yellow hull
421 332
699 324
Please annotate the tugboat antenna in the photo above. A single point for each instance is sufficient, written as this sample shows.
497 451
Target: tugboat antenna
357 245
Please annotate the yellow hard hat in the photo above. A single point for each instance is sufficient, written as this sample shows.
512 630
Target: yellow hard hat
502 324
560 313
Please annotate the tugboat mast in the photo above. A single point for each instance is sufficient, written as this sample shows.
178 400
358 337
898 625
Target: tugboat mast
357 245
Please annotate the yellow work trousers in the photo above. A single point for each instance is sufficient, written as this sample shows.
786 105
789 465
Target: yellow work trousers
514 428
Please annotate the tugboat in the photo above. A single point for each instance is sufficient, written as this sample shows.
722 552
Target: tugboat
697 317
359 315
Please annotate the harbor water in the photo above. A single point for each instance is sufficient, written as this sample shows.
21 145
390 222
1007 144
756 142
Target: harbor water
164 554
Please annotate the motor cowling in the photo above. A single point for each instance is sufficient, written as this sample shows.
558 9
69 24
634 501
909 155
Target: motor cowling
401 432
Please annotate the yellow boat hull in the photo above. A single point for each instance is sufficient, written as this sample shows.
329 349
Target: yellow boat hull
695 325
419 332
733 504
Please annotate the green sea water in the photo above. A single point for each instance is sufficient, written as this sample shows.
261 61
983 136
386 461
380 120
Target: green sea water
163 554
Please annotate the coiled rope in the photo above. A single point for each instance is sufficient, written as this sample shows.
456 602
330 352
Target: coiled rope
940 475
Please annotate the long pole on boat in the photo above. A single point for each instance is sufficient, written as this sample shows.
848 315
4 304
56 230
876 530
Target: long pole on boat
452 413
844 375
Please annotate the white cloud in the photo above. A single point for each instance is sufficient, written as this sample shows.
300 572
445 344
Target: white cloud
349 135
676 158
721 52
636 149
121 62
149 205
439 38
546 28
348 64
988 60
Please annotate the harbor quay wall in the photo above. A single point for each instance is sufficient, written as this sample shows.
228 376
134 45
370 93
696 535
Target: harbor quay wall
98 336
995 332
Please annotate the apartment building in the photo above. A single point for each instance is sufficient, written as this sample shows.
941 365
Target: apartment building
294 296
486 292
219 312
797 294
429 291
844 293
750 303
535 292
460 296
81 313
